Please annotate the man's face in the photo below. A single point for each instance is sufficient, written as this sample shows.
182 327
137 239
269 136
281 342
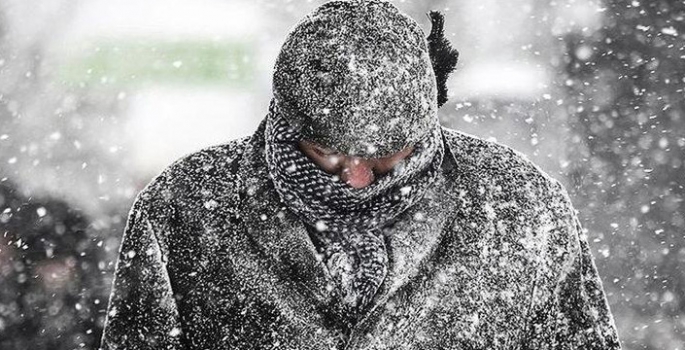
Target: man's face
355 171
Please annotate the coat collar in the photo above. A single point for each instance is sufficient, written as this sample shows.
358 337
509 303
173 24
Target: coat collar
433 225
283 238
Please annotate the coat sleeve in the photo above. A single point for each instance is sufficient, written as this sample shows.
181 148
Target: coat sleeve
570 310
142 311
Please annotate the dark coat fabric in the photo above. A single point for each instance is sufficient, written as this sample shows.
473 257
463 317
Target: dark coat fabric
495 259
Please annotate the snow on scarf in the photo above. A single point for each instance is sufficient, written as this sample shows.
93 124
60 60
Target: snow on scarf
361 78
344 221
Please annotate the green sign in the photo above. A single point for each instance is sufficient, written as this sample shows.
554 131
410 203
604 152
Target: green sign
143 62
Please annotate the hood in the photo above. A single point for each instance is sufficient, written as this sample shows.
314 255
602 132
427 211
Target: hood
356 77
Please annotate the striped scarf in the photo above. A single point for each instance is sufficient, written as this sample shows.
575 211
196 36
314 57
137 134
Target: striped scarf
345 222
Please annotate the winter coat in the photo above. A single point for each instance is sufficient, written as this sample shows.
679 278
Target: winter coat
212 259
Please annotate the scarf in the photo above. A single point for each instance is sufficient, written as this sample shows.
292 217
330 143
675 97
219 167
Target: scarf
344 222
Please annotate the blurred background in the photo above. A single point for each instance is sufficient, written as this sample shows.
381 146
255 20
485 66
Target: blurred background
98 96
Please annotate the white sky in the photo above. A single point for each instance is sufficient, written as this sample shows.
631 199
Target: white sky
167 122
180 19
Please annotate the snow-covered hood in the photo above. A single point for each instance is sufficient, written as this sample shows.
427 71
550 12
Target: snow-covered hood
356 76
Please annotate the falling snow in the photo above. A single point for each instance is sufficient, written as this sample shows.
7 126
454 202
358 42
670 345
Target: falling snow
95 101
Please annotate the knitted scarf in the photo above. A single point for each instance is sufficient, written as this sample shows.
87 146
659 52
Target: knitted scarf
344 222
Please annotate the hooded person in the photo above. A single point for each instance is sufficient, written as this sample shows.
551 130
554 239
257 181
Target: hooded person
254 244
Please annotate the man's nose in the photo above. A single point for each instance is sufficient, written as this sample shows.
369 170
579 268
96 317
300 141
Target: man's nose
356 172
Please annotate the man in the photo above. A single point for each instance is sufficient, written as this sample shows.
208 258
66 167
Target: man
352 220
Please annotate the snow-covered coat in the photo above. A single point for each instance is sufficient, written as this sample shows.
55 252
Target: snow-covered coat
212 259
465 245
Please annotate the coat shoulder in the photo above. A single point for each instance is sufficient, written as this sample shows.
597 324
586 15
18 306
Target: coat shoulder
500 168
511 191
512 200
207 176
